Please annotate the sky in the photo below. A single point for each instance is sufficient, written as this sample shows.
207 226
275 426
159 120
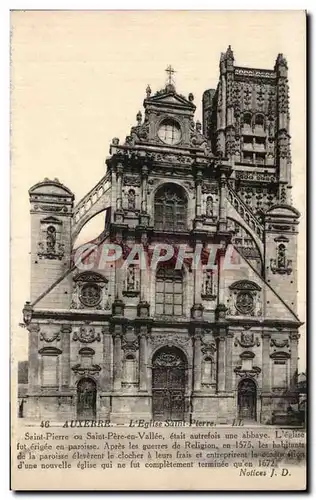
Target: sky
78 79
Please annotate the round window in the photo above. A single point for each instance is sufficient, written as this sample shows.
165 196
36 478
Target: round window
90 294
169 132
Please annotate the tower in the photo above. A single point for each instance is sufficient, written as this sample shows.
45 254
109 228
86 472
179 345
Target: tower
51 219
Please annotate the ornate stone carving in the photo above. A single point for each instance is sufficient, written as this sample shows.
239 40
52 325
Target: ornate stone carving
171 339
209 187
208 348
89 370
130 340
279 343
168 359
90 291
245 299
131 180
254 372
86 334
53 208
140 132
50 336
247 339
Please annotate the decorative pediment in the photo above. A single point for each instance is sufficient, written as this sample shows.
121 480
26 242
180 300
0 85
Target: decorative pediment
169 99
281 238
280 355
51 220
50 351
247 355
244 285
86 351
89 276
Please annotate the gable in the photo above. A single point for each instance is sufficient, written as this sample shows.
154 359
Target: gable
171 99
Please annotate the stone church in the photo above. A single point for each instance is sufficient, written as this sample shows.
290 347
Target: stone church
213 343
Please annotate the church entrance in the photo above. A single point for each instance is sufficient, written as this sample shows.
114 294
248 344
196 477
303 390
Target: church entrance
168 384
86 399
247 400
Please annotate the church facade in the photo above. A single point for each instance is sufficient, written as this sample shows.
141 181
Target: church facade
218 340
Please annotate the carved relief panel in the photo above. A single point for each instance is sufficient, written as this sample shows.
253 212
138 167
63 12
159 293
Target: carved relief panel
244 299
90 291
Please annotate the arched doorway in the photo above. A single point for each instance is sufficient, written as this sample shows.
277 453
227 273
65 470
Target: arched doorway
247 400
168 384
86 399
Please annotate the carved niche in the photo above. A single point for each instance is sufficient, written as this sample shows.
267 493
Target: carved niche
281 265
50 246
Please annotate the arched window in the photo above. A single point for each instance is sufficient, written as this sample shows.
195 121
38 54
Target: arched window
169 292
247 120
259 122
170 209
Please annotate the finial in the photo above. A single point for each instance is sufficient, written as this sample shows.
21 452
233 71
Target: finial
229 53
148 91
191 97
115 141
139 118
281 61
56 180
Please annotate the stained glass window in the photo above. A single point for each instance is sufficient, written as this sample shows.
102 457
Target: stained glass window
170 209
169 292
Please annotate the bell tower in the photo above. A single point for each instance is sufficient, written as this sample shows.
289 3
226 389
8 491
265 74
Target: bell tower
51 212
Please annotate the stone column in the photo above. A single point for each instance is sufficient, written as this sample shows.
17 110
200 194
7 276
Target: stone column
198 194
220 272
143 359
221 363
197 360
119 175
65 357
117 358
266 371
294 337
144 188
105 381
33 376
222 203
229 362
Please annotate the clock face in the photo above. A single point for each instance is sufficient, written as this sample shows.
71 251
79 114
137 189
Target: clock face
169 132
